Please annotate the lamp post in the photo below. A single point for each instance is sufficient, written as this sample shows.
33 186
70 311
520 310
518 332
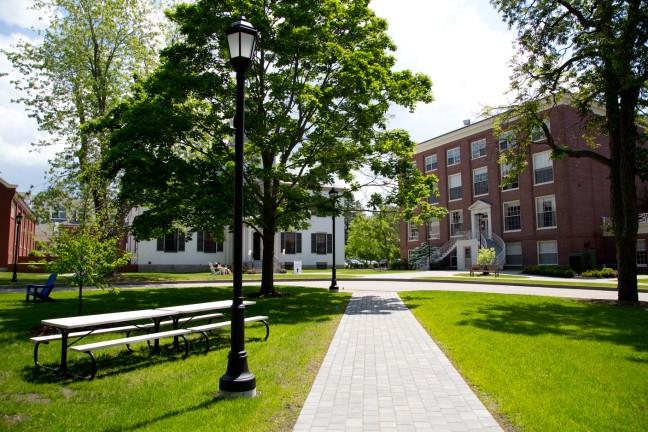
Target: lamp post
333 194
19 217
238 380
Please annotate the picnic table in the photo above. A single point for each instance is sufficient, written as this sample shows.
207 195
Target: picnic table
96 323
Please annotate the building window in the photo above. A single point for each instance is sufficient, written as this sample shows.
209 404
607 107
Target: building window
412 231
430 163
433 198
542 168
478 148
291 243
58 214
506 140
433 229
642 258
321 243
505 169
512 219
454 187
514 254
537 134
480 181
546 212
172 242
548 252
409 255
454 156
207 244
456 222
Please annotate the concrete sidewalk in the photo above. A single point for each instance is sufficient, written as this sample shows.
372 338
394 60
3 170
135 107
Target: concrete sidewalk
383 372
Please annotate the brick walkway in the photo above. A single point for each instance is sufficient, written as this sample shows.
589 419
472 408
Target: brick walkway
383 372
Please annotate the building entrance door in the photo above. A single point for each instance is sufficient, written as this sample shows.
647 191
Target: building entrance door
481 222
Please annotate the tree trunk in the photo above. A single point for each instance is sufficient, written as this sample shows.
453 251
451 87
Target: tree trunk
623 192
267 277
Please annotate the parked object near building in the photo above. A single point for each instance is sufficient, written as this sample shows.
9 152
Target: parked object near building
11 205
190 252
555 209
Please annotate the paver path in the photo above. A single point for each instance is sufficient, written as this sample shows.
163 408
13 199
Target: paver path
383 372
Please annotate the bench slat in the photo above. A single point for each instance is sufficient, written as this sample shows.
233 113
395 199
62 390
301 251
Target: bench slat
221 324
128 340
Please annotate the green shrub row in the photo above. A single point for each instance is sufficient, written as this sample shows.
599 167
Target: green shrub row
550 270
605 272
399 265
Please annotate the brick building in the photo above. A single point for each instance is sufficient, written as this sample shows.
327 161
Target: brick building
12 204
556 209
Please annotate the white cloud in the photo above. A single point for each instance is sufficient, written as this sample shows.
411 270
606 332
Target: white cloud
21 14
463 49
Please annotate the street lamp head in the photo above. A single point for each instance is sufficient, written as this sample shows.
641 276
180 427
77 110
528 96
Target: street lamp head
333 193
19 218
241 38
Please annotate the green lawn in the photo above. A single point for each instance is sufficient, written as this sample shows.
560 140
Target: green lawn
546 364
140 392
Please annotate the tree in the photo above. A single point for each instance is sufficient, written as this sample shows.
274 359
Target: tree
594 53
88 255
375 237
319 89
83 67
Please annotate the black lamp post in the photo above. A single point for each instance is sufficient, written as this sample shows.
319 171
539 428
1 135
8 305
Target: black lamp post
238 380
19 217
333 194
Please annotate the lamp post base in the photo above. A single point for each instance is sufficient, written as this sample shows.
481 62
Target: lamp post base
243 385
334 287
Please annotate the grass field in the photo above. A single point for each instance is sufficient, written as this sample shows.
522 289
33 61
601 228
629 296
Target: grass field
164 392
545 364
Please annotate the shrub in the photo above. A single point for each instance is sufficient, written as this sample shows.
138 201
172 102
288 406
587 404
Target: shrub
36 254
605 272
250 271
486 256
399 265
550 270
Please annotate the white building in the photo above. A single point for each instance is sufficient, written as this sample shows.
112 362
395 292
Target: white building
177 252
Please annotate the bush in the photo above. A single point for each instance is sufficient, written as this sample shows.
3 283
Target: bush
605 272
250 271
550 270
399 265
36 254
486 256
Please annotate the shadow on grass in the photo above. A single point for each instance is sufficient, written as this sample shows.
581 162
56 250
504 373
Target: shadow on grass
619 325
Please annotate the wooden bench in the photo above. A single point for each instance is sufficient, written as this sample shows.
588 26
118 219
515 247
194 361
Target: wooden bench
206 328
128 329
89 348
491 268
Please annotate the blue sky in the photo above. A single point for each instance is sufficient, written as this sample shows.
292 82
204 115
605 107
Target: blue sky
461 44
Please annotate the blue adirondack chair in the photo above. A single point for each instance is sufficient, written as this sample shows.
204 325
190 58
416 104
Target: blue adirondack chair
45 289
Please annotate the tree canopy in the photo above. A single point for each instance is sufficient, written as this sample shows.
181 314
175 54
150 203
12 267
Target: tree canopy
595 53
374 237
319 88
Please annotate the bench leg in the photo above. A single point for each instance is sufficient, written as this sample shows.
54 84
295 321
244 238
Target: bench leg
206 336
36 362
93 372
186 346
267 329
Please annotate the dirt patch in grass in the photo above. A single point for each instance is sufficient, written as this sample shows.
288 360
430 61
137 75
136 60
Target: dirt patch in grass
13 419
34 398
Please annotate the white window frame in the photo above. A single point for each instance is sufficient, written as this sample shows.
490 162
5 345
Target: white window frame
508 246
537 134
504 169
509 138
481 147
450 187
504 216
538 243
436 162
642 258
436 233
455 161
474 183
450 221
412 232
537 201
553 171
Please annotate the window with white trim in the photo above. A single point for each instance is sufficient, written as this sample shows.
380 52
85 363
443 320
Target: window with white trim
537 134
412 231
207 243
291 243
321 243
514 253
454 156
512 216
546 212
434 197
456 222
478 148
480 181
505 169
430 163
642 257
543 171
454 187
506 140
548 252
172 242
433 229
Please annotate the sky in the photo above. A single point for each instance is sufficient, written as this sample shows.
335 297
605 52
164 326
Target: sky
462 45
